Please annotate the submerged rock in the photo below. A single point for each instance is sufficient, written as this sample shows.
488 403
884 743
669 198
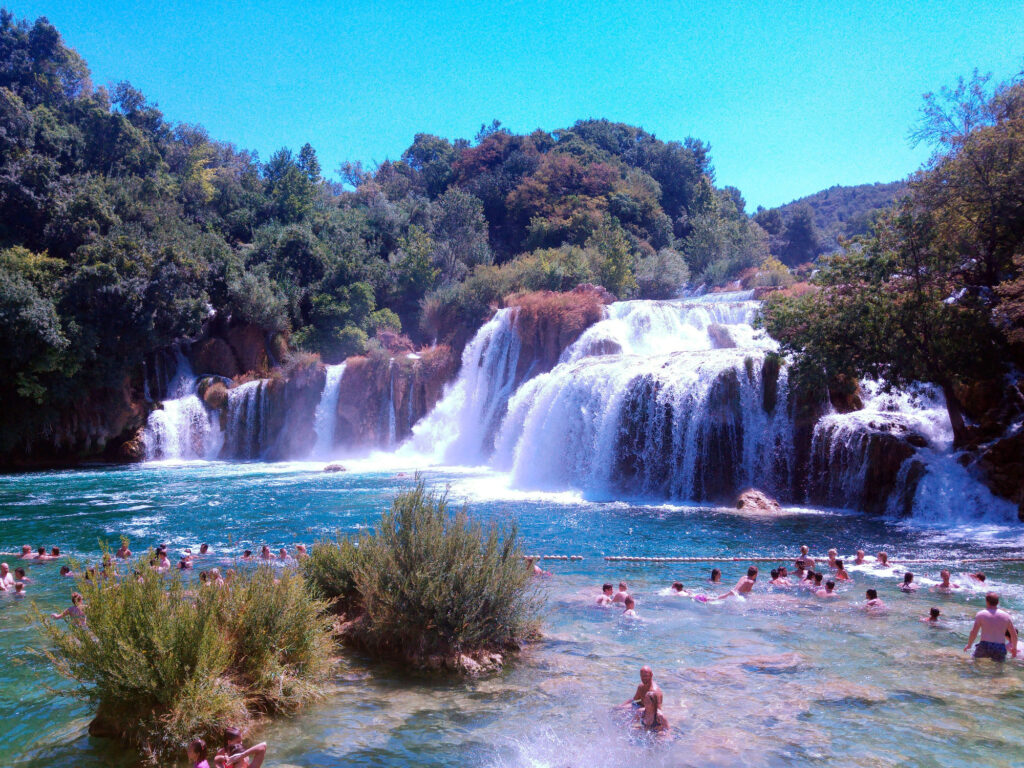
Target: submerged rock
335 468
757 502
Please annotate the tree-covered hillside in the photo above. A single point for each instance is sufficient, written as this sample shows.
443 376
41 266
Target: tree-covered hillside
122 231
804 229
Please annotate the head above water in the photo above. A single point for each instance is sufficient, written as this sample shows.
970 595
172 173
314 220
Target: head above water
204 548
716 574
623 587
979 576
872 594
41 551
839 565
830 585
818 577
832 553
26 549
934 613
908 577
607 589
883 558
992 600
55 551
804 549
944 575
629 602
646 675
65 570
775 573
677 586
752 572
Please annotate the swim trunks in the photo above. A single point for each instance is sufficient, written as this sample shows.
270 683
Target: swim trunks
987 650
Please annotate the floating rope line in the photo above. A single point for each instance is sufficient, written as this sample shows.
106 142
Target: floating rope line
553 557
788 559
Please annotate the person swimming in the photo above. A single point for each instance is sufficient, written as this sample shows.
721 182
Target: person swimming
743 586
647 684
777 580
841 573
247 556
832 555
622 594
265 553
932 619
978 578
908 584
19 575
653 719
829 591
123 552
882 560
995 626
716 576
677 588
605 598
945 586
804 560
75 611
873 604
234 753
859 560
630 612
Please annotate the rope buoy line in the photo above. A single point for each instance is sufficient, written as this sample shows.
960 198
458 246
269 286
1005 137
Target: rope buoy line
631 559
554 557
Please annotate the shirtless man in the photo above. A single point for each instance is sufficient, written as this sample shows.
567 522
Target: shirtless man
42 557
162 563
977 578
743 586
204 549
123 553
784 576
19 575
283 556
993 623
860 557
6 579
647 684
778 581
829 591
932 619
945 586
233 753
908 584
247 556
804 560
300 552
841 574
874 603
265 553
622 594
605 598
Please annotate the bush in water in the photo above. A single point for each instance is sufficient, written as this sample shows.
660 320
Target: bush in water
163 664
431 586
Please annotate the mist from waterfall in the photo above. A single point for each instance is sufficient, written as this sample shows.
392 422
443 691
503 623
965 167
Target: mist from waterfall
325 418
182 427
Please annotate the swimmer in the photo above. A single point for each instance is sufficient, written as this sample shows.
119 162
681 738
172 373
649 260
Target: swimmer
42 557
653 719
6 579
908 584
977 578
859 560
66 571
247 556
531 565
647 684
123 553
162 563
874 603
829 591
945 587
801 574
605 598
784 575
196 751
233 753
677 588
994 623
75 611
743 586
204 549
19 575
883 560
19 589
215 578
25 554
804 560
622 594
716 576
932 619
630 612
300 552
778 581
832 555
818 578
265 553
807 582
841 572
282 555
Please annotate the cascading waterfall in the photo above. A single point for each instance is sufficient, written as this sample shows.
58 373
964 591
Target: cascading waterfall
326 416
460 429
182 428
247 421
682 399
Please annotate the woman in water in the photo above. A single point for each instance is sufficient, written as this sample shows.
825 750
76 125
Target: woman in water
653 719
74 612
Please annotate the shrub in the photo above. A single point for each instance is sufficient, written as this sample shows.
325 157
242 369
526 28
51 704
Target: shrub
429 582
164 665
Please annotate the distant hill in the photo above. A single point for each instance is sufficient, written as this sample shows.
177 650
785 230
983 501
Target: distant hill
836 212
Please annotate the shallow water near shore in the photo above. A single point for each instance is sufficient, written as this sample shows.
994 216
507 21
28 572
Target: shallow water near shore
772 680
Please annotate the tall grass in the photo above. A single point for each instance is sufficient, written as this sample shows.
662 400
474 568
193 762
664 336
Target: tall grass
163 664
430 582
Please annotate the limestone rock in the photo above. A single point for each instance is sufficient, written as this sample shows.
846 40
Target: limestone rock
720 337
335 468
757 502
214 356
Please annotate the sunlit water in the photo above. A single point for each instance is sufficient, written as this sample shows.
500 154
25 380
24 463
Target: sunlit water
774 680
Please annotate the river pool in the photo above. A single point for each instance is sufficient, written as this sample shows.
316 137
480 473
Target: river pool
779 679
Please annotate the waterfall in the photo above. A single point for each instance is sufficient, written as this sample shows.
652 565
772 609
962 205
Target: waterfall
460 429
182 428
392 422
326 416
682 399
247 426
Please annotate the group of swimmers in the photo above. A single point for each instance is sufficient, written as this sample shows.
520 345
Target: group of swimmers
232 753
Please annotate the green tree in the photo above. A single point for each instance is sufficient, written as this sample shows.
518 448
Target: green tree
614 259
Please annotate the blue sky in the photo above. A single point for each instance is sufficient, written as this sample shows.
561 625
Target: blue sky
792 98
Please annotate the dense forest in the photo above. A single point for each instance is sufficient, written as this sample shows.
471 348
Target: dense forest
122 232
800 231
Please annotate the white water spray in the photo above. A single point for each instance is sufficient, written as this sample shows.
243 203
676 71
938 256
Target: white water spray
182 428
326 417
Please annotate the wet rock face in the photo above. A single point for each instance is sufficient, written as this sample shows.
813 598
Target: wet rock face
215 356
548 322
381 397
230 351
291 403
1002 465
865 463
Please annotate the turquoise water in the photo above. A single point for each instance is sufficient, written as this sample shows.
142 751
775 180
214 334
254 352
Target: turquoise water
778 679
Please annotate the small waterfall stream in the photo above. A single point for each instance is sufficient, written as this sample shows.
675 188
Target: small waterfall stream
325 418
182 428
247 420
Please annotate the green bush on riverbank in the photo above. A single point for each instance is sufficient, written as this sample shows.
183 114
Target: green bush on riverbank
164 664
429 586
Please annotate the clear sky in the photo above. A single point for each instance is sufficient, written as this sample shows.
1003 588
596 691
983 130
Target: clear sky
792 96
